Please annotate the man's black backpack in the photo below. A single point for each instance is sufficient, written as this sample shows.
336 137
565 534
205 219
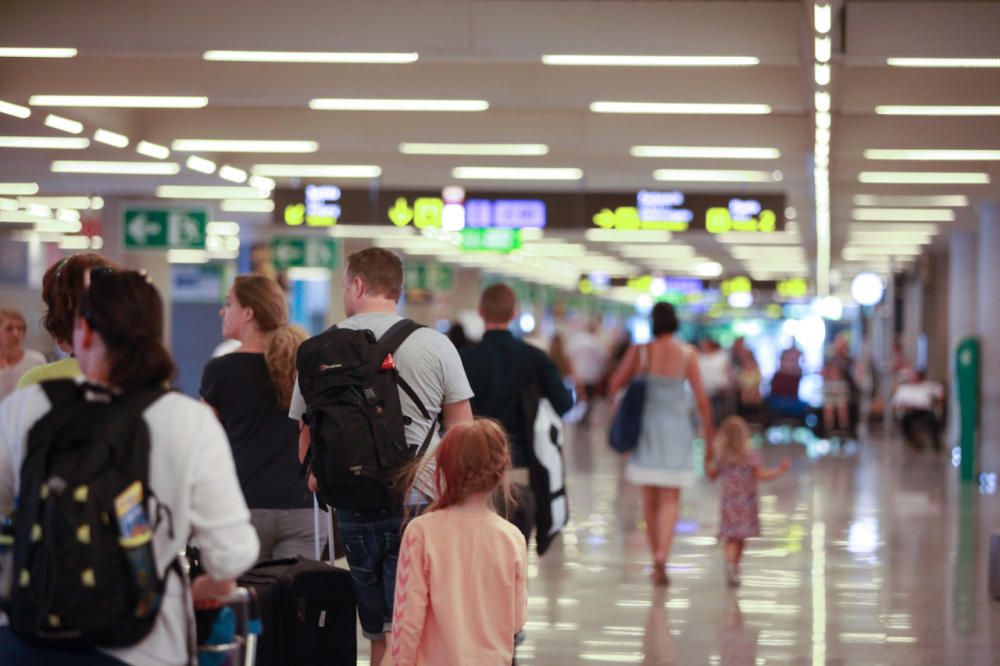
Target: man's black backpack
351 388
74 583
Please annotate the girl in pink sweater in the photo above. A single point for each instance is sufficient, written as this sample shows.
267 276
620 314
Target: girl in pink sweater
461 578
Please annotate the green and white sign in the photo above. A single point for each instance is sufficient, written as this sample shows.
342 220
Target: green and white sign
304 252
491 240
160 229
429 277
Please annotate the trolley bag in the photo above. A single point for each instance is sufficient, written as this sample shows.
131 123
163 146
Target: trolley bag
307 611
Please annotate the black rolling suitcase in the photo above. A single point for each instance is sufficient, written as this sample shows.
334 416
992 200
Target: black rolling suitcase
307 610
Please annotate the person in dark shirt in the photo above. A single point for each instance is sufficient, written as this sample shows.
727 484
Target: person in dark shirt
250 390
506 374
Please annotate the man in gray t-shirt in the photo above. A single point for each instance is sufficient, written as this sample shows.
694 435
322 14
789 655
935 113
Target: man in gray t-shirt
429 363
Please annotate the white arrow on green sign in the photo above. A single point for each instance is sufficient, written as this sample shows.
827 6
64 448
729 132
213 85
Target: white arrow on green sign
159 229
302 252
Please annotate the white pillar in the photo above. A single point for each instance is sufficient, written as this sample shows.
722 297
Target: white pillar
988 313
962 301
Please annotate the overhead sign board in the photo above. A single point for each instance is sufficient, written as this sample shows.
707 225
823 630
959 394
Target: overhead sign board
491 240
160 229
304 252
428 277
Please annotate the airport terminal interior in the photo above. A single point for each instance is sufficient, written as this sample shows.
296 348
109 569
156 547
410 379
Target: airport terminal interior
812 185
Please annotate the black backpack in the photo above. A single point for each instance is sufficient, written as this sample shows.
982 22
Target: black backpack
74 583
351 388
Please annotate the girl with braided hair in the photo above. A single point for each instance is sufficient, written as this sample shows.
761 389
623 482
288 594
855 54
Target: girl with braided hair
461 577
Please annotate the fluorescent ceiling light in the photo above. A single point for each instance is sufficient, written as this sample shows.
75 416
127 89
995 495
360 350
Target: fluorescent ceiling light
823 18
823 120
120 101
822 100
223 228
64 124
941 155
896 227
943 62
79 203
889 110
121 168
927 177
68 215
355 104
656 251
651 60
58 227
262 183
232 174
111 138
18 188
868 251
889 238
200 164
515 173
154 150
623 236
15 110
244 146
74 243
903 200
329 57
39 210
822 74
30 52
317 170
364 231
706 152
507 149
714 176
824 49
247 205
44 142
208 192
187 256
775 238
679 108
903 214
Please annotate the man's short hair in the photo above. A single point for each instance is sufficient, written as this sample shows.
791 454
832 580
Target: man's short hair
380 270
497 304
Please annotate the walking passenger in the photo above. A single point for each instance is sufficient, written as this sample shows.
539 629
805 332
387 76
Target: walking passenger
461 585
431 382
663 462
250 390
15 359
112 596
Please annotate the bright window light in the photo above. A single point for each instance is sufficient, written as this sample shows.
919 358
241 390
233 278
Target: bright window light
15 110
44 142
924 178
200 164
943 62
30 52
232 174
505 149
890 110
317 170
650 60
355 104
111 138
713 176
515 173
933 155
705 152
120 101
328 57
679 108
822 74
64 124
120 168
824 49
153 150
208 192
244 146
903 214
247 205
949 200
823 18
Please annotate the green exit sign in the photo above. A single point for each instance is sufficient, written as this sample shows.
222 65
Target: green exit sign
160 229
303 252
491 240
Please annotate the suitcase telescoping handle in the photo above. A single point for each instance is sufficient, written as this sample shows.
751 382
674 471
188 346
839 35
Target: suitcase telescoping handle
327 517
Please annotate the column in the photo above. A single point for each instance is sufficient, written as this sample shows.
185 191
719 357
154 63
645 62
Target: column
988 313
962 299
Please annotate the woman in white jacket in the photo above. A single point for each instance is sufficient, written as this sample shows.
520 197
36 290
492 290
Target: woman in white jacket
117 340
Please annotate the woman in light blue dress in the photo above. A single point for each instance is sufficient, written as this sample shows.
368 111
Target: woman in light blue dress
663 462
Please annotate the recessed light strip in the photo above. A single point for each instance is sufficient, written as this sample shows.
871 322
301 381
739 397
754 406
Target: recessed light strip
120 101
716 176
16 189
317 170
244 146
891 110
903 214
200 164
943 62
44 142
931 155
153 150
64 124
649 60
208 192
247 205
705 152
503 149
358 104
515 173
924 178
32 52
679 108
325 57
15 110
232 174
111 138
118 168
946 200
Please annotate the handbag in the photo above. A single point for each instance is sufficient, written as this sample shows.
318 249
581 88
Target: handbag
626 426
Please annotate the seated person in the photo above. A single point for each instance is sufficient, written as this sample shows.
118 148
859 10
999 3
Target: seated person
917 402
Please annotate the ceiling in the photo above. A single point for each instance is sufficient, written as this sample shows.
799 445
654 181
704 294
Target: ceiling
491 50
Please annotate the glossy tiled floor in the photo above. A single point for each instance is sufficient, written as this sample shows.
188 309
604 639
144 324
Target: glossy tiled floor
870 555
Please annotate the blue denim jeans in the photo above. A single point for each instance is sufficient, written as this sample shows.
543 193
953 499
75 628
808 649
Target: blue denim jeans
15 651
371 542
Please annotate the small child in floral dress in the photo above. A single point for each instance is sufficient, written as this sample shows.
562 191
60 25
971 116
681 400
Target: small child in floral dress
740 469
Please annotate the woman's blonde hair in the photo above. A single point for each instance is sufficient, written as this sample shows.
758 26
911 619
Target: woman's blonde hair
263 295
732 439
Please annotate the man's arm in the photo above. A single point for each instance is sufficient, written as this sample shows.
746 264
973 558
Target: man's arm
552 385
455 413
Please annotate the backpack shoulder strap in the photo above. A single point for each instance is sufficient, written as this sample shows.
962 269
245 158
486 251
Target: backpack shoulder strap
398 333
